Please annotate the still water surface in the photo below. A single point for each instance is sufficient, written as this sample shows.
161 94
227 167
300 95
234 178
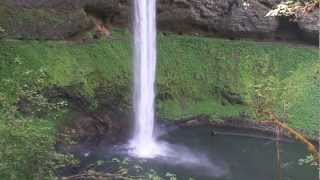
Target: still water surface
218 157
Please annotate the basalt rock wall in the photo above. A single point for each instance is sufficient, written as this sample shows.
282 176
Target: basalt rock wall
59 19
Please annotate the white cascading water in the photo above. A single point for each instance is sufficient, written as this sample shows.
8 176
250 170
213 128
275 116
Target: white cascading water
143 142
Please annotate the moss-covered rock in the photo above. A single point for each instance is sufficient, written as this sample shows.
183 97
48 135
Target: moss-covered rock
42 23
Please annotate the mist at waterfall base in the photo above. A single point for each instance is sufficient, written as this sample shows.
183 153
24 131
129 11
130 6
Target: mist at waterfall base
144 143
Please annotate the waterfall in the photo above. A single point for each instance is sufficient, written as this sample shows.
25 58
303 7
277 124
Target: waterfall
143 141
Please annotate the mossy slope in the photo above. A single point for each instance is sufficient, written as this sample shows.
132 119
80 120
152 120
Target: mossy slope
195 75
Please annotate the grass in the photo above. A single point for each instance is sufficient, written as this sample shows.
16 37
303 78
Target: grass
193 73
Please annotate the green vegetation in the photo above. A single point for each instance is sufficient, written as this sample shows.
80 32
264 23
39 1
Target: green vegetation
196 76
29 131
195 71
27 150
294 8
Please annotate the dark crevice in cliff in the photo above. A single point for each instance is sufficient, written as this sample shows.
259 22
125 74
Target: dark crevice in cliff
97 12
92 125
289 30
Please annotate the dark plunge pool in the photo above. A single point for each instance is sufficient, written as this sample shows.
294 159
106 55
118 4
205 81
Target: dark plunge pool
223 156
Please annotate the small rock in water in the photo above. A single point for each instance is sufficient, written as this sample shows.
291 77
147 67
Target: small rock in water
86 154
213 133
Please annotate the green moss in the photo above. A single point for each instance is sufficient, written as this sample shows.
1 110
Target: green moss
191 69
302 92
41 23
27 148
214 109
3 13
38 16
193 73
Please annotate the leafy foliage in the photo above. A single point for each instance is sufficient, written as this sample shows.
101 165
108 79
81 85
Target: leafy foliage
27 145
309 160
266 88
27 150
294 7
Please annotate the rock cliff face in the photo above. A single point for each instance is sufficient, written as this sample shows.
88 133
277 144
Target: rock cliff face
57 19
226 17
310 25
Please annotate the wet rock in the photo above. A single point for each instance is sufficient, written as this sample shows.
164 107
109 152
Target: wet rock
105 122
194 121
232 98
96 127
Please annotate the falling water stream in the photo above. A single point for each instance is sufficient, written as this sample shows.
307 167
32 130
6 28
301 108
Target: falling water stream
143 142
